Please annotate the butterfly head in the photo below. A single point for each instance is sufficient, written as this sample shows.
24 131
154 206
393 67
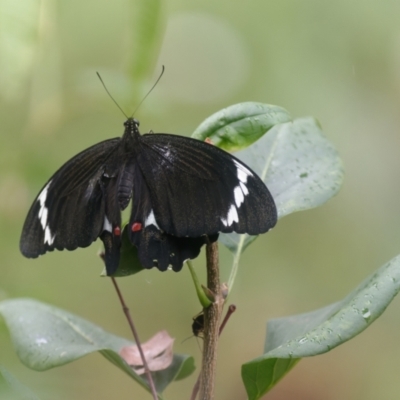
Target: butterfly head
131 123
132 127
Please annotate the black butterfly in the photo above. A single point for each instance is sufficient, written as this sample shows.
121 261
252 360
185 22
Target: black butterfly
184 192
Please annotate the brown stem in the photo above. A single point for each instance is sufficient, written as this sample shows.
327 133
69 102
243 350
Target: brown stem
196 387
212 316
136 336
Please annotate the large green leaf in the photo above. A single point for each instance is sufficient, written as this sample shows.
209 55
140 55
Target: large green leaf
11 388
299 165
46 337
291 338
237 126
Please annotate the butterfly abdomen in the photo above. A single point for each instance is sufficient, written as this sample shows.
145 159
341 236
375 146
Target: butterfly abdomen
125 185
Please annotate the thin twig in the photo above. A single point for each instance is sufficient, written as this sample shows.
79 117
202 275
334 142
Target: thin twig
136 336
196 388
231 310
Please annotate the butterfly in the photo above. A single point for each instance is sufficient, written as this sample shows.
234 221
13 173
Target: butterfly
184 192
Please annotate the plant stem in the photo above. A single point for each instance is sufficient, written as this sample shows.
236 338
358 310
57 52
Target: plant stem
235 265
136 336
196 387
212 316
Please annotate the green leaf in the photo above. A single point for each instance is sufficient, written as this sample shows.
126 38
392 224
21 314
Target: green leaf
291 338
238 126
11 388
182 366
187 368
261 377
129 263
201 294
45 337
301 168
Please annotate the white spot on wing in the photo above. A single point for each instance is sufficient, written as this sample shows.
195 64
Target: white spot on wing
107 224
43 210
47 236
242 172
244 188
239 197
232 215
241 175
151 220
43 214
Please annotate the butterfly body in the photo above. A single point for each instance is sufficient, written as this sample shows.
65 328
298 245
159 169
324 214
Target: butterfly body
183 191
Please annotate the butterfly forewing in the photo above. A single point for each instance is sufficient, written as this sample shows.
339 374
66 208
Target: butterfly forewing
69 210
199 189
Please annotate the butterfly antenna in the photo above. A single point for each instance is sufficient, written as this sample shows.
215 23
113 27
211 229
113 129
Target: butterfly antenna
145 97
112 98
189 337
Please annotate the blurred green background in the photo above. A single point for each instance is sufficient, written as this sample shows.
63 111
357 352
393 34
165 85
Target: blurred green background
338 61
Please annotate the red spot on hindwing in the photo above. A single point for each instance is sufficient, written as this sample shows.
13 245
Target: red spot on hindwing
136 227
117 231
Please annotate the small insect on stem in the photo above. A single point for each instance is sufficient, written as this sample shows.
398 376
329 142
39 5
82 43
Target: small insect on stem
198 322
198 325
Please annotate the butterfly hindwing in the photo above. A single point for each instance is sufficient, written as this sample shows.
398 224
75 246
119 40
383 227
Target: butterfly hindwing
161 250
69 210
198 189
157 248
